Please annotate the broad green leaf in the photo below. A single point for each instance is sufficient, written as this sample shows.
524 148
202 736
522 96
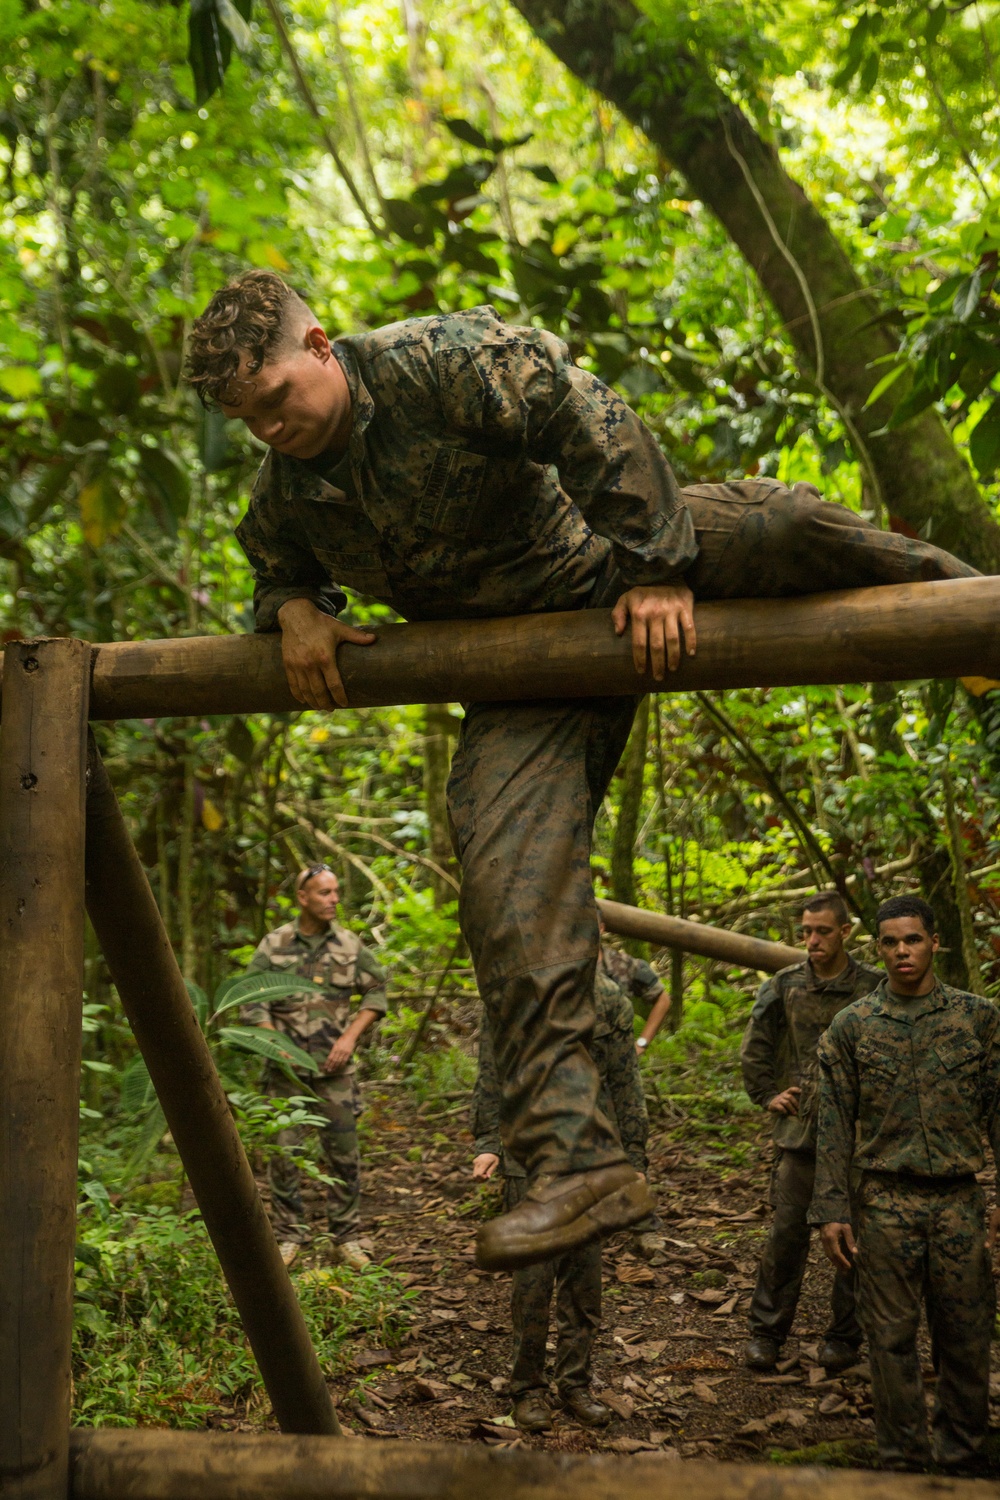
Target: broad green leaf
20 382
263 985
102 510
270 1044
136 1092
984 442
883 385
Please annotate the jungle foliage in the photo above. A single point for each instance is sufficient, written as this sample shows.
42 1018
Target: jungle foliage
391 160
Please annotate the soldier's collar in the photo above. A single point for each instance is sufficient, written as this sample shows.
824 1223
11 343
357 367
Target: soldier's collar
362 405
842 981
312 937
910 1007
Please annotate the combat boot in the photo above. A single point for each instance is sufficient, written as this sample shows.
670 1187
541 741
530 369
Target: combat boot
835 1356
585 1407
762 1354
559 1214
531 1412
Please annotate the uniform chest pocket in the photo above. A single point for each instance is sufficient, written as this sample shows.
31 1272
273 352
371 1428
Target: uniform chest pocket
958 1055
285 963
462 494
882 1063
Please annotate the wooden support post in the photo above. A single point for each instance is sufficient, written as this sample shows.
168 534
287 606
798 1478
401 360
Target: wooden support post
42 768
698 937
147 1465
156 1002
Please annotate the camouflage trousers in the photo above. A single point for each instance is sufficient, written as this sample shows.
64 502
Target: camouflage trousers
783 1263
924 1241
340 1103
576 1279
527 779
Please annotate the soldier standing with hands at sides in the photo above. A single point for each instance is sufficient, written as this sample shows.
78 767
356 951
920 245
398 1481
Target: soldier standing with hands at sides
780 1073
456 466
641 983
335 967
909 1082
576 1275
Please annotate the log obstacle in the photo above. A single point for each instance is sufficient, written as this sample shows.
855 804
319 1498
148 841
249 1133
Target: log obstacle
943 629
154 997
147 1465
698 937
42 777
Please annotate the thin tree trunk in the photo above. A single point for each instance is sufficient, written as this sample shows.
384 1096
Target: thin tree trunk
439 728
837 326
185 872
629 809
960 881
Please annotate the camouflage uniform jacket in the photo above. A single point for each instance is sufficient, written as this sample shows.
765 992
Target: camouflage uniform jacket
621 1097
485 475
791 1013
336 965
907 1086
638 979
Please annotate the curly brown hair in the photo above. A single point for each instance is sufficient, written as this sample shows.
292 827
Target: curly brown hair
249 316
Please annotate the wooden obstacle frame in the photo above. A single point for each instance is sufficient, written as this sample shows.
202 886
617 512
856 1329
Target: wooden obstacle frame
64 846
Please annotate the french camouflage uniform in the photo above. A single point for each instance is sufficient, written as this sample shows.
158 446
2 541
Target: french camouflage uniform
486 475
634 976
342 976
792 1010
908 1085
576 1276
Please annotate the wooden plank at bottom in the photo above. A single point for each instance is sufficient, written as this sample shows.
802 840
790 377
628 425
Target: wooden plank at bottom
156 1465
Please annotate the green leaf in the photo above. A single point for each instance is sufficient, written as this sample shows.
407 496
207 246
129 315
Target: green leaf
984 442
883 385
542 171
261 985
136 1091
270 1044
966 298
463 130
916 400
210 42
20 382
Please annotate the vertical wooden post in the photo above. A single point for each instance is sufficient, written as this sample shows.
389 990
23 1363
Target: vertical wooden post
156 1001
42 782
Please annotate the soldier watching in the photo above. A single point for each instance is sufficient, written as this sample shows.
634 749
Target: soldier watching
336 966
909 1081
641 983
576 1275
780 1068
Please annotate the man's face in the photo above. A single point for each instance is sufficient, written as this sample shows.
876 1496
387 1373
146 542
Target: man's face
907 949
823 936
320 896
298 402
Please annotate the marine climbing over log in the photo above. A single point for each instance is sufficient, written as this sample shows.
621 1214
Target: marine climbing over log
456 467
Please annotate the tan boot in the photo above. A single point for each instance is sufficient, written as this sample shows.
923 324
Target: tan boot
561 1213
531 1412
349 1253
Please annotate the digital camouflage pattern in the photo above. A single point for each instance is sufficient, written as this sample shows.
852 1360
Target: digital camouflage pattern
487 475
576 1277
918 1078
634 976
785 1257
925 1240
791 1012
576 1280
908 1087
337 967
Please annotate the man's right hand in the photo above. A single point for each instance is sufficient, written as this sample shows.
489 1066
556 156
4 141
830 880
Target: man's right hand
484 1166
309 641
786 1103
838 1242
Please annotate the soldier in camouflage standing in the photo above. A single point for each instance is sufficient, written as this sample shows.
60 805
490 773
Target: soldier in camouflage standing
576 1276
909 1082
455 466
780 1073
641 983
336 967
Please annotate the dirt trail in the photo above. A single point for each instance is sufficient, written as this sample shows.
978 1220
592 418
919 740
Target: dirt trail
669 1358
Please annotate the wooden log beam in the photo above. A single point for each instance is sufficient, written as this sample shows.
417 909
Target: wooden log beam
159 1010
160 1465
942 629
698 937
42 770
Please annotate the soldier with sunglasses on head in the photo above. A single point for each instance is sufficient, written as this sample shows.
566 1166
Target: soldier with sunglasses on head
343 993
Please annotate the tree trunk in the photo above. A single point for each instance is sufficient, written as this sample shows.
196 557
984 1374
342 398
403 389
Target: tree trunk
629 809
439 728
834 322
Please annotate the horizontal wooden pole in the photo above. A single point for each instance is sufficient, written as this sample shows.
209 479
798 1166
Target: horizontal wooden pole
941 629
158 1465
698 937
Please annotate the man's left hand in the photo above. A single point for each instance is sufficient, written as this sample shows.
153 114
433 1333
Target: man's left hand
339 1055
658 616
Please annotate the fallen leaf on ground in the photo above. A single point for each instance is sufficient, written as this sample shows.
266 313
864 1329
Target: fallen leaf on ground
711 1297
831 1405
622 1406
778 1380
629 1445
367 1359
787 1416
704 1392
784 1365
480 1325
634 1273
430 1390
727 1307
754 1428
